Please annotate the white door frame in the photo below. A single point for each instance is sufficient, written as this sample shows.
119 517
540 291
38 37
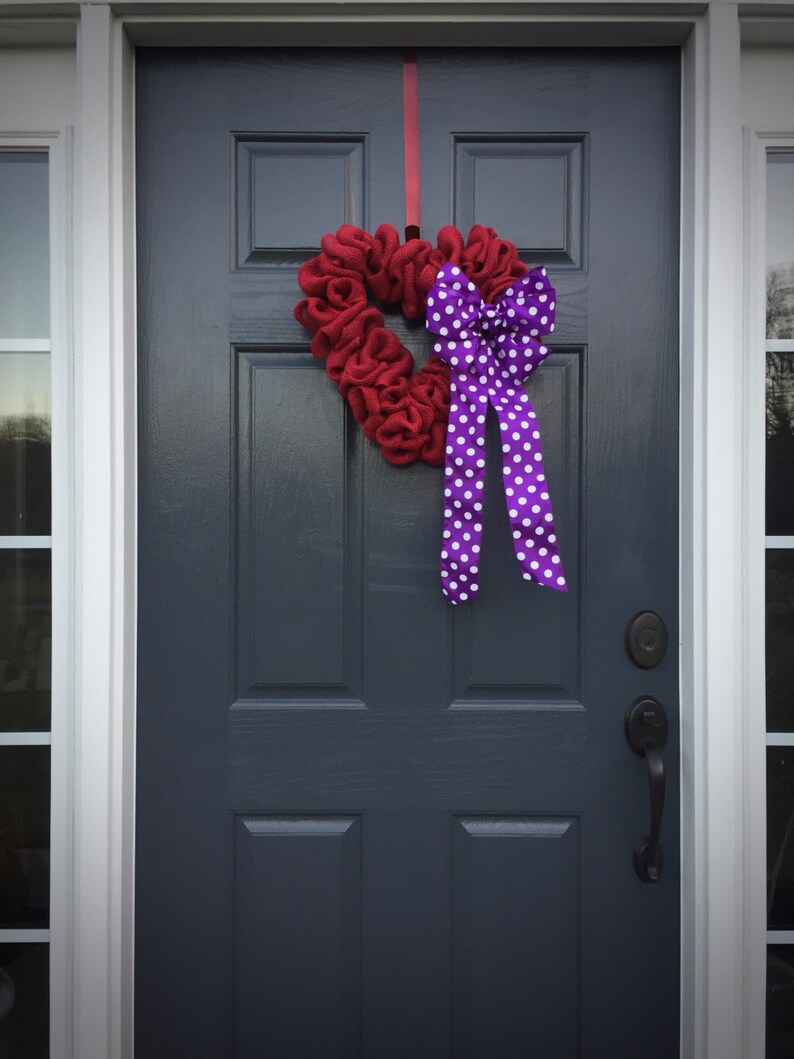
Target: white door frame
722 960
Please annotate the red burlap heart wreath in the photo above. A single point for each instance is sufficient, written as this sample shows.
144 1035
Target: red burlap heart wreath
403 410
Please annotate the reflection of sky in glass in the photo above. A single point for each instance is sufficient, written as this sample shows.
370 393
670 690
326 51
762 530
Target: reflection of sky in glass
24 245
780 208
24 384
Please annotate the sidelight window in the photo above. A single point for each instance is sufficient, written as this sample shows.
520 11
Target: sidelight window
780 601
25 603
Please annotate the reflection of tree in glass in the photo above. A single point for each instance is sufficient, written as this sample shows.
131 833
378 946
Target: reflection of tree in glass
27 427
779 443
25 474
780 301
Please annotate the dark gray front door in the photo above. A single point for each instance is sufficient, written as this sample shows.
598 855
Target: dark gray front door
370 824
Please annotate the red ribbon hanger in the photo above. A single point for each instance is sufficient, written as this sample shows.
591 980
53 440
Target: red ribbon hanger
411 135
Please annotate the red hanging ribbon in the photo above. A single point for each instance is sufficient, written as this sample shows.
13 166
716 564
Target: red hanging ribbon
411 134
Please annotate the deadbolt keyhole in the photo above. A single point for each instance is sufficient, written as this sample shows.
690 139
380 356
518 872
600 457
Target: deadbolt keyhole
646 639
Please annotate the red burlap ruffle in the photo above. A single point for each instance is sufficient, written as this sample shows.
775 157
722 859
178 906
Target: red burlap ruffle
403 410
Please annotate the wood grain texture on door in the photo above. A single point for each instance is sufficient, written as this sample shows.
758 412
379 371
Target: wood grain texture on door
368 823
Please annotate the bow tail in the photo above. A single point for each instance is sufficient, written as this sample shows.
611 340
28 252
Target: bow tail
526 490
464 481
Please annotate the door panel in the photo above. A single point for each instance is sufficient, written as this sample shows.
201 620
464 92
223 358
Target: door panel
370 823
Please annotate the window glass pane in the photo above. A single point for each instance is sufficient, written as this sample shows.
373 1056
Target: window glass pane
780 245
780 1002
780 443
24 1001
24 836
25 639
24 245
780 837
25 443
780 640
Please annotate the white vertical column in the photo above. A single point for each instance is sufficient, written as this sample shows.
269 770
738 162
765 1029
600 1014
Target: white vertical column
713 999
105 528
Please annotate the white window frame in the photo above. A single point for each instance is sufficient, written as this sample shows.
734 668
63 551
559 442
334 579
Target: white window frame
758 141
723 953
57 144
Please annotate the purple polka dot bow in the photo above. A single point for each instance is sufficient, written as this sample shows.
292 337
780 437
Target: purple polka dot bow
491 351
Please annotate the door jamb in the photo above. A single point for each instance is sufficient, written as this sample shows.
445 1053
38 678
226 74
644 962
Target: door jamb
716 1018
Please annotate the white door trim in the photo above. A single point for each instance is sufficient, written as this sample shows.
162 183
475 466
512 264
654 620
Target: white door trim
105 494
720 1004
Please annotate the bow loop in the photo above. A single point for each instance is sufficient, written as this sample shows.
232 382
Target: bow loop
523 313
453 313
